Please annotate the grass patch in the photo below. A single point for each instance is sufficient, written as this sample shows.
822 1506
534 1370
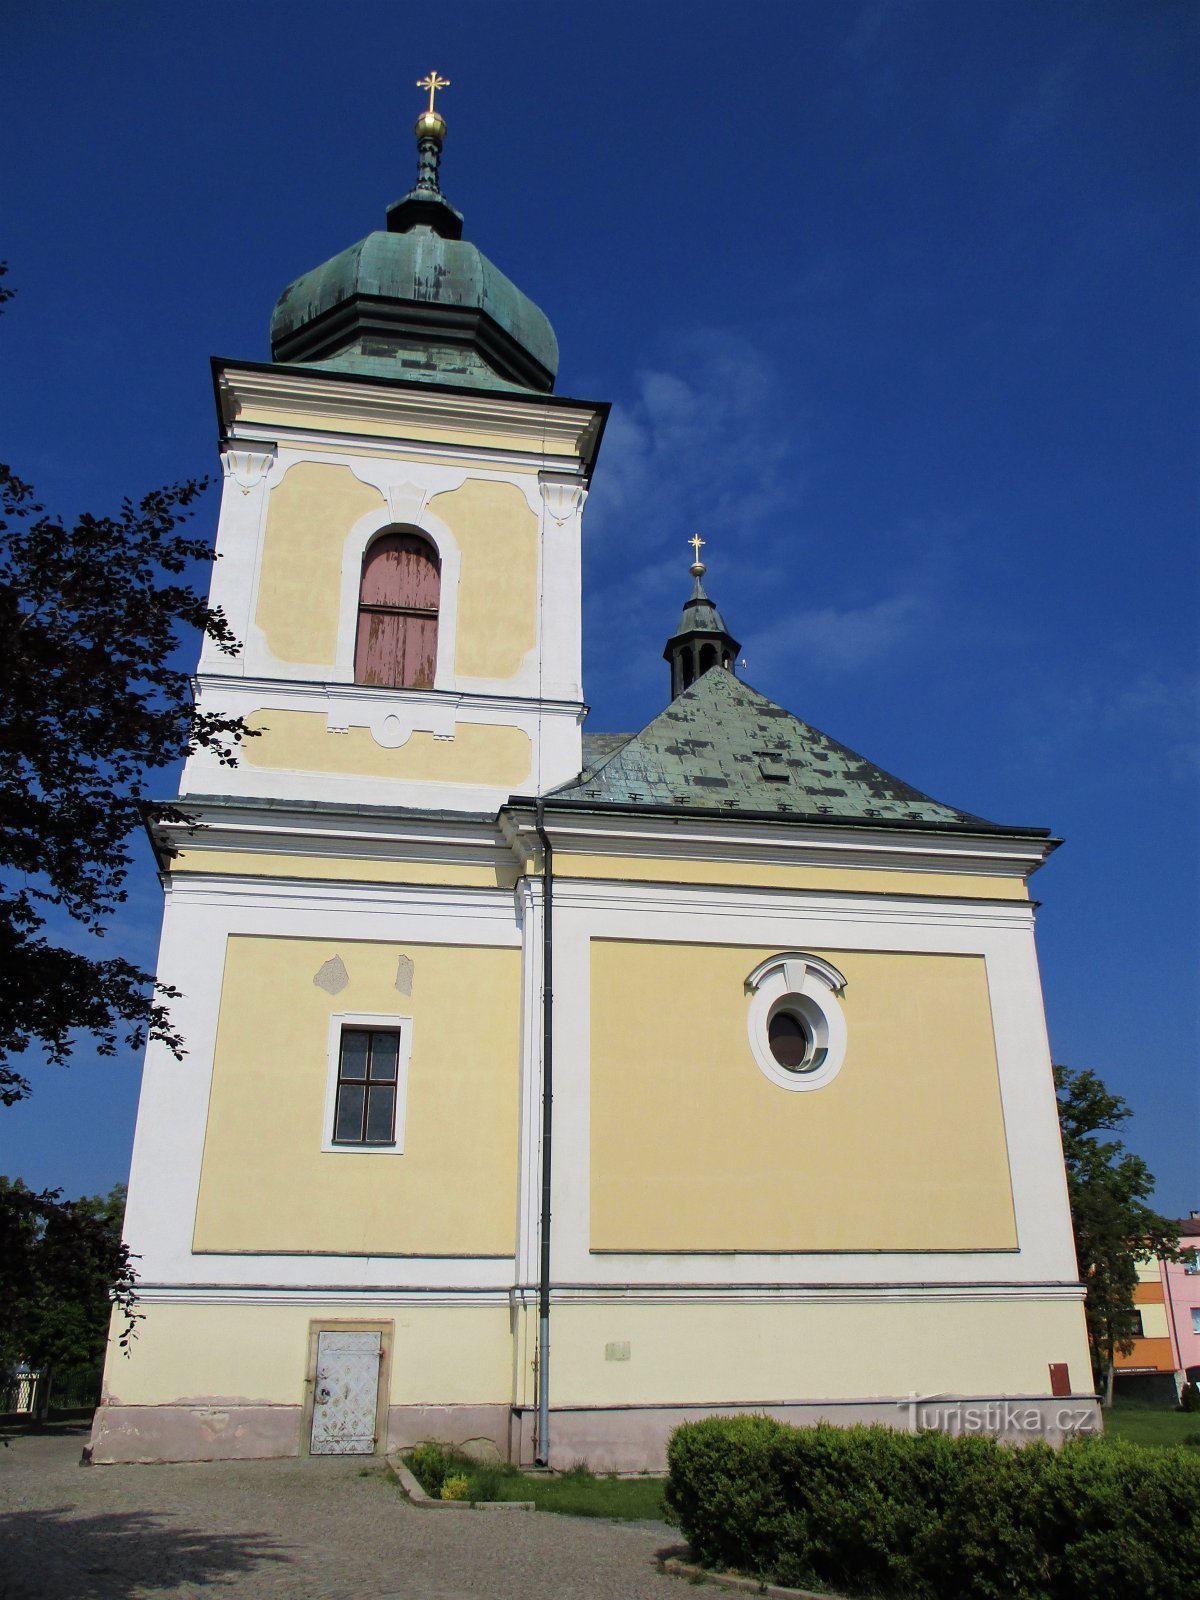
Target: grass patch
1155 1427
578 1493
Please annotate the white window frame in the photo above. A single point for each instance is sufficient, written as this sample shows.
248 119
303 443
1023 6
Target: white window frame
810 987
393 1023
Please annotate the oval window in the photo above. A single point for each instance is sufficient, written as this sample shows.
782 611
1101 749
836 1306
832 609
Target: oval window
790 1041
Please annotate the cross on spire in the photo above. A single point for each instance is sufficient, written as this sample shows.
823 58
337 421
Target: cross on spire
696 543
433 83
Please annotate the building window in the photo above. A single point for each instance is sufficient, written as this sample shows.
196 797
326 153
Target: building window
1191 1263
796 1025
1196 1319
1133 1325
396 646
367 1083
368 1069
791 1041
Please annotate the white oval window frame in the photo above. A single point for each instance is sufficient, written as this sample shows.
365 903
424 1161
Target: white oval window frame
809 987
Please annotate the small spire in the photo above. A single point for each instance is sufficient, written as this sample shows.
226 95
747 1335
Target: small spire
702 640
430 131
425 206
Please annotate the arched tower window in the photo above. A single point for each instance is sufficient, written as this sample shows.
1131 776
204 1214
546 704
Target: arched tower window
398 613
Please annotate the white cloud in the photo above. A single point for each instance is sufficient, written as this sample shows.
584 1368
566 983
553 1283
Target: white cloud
705 441
713 442
845 639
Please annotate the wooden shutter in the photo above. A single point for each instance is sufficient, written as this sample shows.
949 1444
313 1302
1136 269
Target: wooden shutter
398 613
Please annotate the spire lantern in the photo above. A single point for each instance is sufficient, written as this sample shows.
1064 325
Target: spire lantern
702 640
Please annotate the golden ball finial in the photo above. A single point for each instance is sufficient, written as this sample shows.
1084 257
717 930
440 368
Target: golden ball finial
430 125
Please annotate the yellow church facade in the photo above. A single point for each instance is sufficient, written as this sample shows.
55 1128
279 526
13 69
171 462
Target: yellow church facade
545 1089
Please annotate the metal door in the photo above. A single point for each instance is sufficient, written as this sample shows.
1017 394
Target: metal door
347 1393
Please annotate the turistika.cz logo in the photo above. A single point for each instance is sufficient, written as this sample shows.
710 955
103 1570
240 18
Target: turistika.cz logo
1004 1417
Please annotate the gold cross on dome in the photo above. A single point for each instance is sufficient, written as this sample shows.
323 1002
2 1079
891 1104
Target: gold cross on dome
433 83
696 543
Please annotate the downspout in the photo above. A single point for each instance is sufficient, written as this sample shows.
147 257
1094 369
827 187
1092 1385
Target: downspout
543 1431
1164 1268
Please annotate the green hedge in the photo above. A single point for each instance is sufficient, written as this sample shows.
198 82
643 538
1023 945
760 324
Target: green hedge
869 1511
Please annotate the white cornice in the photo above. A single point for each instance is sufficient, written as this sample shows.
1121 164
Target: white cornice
267 691
838 907
784 843
230 825
544 428
794 1294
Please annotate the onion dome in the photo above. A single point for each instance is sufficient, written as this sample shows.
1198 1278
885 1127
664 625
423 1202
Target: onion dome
417 301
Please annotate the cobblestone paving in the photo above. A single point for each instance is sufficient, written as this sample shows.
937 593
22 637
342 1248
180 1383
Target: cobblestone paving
304 1530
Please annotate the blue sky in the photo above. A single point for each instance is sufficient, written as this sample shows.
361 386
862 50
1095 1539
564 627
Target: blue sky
896 305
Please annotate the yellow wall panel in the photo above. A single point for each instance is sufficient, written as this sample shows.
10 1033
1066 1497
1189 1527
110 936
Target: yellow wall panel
770 875
756 1354
346 869
694 1148
300 741
257 1355
309 516
266 1184
497 589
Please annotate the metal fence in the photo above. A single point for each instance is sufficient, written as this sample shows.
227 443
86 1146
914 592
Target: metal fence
37 1391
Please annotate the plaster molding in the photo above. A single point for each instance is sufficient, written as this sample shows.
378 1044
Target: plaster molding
247 465
810 987
564 497
406 501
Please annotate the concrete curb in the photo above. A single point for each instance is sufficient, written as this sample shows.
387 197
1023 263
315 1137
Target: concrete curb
730 1580
426 1502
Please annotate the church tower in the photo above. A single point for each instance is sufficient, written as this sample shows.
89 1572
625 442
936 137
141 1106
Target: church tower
401 511
546 1088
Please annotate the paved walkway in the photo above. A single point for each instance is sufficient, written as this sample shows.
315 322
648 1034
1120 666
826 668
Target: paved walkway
304 1530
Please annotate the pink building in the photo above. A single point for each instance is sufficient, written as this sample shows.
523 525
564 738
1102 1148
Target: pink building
1181 1293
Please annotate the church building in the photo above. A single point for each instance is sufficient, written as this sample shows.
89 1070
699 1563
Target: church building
545 1087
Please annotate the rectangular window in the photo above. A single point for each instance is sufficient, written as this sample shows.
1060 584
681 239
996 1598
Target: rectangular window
1196 1319
1191 1263
1133 1326
365 1108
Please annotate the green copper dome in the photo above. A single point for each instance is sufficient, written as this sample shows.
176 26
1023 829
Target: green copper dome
417 302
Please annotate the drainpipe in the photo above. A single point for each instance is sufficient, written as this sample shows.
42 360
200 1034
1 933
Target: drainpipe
543 1433
1164 1268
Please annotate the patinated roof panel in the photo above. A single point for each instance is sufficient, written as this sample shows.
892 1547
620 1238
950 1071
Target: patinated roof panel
722 745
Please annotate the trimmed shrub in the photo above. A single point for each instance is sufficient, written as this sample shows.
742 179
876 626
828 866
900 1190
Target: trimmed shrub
1189 1399
720 1492
431 1464
1122 1520
872 1511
